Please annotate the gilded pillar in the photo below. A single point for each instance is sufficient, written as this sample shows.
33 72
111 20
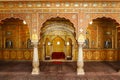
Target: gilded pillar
116 41
72 51
51 50
35 59
97 38
43 51
113 39
80 63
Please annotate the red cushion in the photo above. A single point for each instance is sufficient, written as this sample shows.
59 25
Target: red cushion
58 55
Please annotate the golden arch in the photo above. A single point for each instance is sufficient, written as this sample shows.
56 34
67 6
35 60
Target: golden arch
58 44
16 33
58 35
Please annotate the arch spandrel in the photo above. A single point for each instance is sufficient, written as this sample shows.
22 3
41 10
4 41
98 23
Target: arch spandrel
59 23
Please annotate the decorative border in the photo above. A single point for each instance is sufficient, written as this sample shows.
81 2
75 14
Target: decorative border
4 5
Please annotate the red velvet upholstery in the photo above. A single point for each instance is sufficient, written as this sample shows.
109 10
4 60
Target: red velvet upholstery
58 55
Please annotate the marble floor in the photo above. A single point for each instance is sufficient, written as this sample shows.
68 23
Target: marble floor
21 70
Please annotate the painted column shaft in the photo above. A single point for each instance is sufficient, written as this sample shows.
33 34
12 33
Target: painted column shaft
35 60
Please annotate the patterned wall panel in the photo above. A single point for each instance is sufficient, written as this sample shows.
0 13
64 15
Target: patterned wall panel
12 55
6 55
89 55
101 55
16 54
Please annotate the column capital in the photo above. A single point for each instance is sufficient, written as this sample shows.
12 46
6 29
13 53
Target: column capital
81 39
35 44
81 44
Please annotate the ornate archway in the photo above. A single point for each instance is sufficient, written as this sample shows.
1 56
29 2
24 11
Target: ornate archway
16 31
61 35
102 31
14 37
58 44
102 36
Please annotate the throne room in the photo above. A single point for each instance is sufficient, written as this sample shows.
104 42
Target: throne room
59 39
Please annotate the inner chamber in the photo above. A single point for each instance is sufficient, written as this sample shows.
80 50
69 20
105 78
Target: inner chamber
58 40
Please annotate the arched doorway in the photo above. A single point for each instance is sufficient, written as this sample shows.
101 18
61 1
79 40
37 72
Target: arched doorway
58 44
15 39
58 48
101 39
102 31
58 37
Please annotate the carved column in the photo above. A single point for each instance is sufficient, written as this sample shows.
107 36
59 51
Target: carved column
116 37
51 50
35 59
43 51
72 51
80 64
113 39
97 37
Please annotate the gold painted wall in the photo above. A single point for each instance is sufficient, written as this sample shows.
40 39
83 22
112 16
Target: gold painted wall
89 55
80 13
58 45
101 55
16 54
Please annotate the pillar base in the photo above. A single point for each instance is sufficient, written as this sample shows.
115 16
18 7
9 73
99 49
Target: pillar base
35 71
80 71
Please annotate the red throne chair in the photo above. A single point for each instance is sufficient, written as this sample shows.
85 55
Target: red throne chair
58 55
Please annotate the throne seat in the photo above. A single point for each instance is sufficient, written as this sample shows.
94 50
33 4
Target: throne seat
58 55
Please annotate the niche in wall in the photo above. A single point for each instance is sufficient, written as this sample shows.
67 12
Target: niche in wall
102 33
58 36
14 34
